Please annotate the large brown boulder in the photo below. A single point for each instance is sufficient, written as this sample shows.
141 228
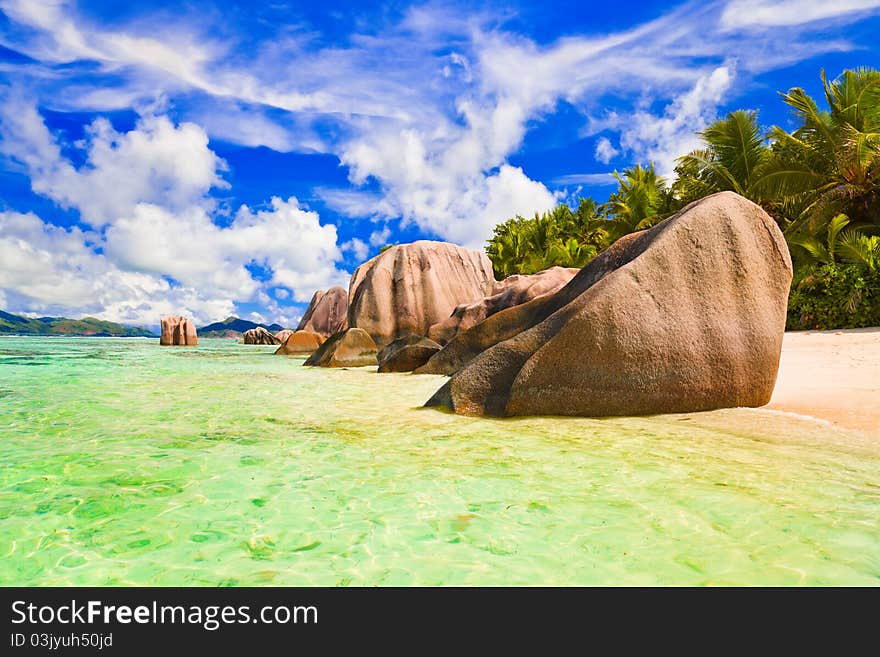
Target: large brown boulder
686 316
350 348
512 291
300 343
406 354
178 331
259 335
409 287
282 335
326 312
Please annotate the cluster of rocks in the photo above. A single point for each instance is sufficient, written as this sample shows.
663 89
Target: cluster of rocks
685 316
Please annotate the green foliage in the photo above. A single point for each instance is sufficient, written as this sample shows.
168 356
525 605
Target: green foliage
836 296
562 236
831 163
642 199
735 158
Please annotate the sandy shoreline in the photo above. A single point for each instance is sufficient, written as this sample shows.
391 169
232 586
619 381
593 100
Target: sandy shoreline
833 376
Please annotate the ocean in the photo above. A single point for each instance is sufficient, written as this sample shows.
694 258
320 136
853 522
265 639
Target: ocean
127 463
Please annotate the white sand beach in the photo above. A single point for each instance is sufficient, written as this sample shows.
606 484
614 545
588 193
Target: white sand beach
831 375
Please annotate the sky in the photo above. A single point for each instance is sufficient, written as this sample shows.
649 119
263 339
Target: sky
230 158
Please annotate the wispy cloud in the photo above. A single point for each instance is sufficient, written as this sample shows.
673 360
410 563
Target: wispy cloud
592 179
776 13
431 106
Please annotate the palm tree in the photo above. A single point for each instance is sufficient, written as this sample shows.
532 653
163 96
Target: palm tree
734 158
831 164
861 250
822 250
560 236
642 199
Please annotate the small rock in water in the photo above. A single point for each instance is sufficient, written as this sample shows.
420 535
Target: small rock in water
178 331
300 343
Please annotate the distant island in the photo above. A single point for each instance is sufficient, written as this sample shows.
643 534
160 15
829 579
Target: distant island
87 326
233 328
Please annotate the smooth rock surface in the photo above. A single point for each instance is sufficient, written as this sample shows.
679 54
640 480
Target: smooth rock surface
350 348
409 287
178 331
406 354
283 334
512 291
259 335
326 312
299 343
685 316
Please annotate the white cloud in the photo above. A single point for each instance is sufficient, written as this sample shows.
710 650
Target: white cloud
50 270
157 162
596 179
357 247
145 193
380 237
776 13
446 188
355 203
662 139
605 152
189 247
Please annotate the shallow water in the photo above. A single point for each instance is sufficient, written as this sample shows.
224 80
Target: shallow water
126 463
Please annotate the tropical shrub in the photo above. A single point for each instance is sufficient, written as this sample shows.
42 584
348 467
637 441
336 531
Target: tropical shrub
562 236
835 296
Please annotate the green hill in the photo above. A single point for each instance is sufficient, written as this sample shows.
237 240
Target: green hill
89 326
233 327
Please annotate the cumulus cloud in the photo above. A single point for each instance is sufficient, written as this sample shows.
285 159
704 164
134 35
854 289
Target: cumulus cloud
157 163
144 193
446 188
51 270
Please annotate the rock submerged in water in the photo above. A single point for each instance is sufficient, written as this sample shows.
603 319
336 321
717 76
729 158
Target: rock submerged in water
512 291
326 312
178 331
685 316
406 354
300 343
409 287
259 335
350 348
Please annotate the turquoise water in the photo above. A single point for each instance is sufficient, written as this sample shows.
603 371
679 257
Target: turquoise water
126 463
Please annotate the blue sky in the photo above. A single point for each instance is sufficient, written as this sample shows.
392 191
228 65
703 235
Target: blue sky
216 158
